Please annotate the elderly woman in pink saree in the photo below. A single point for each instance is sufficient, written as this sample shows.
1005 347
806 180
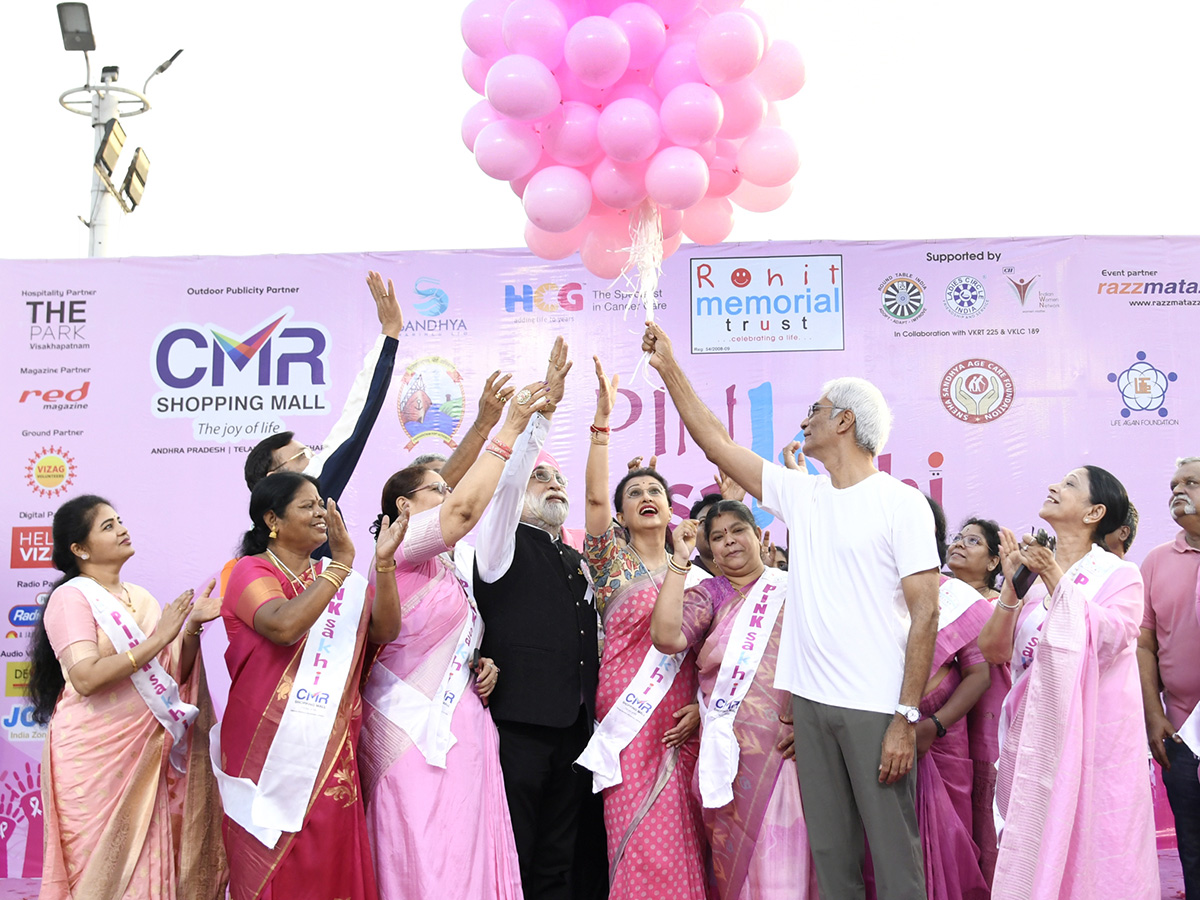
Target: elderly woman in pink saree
748 787
130 804
437 813
642 756
1073 791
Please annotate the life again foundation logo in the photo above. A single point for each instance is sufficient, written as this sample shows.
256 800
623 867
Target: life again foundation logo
236 385
902 298
977 391
431 402
1143 388
50 471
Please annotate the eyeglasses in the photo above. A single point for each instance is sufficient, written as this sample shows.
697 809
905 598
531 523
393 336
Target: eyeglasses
970 540
812 410
440 486
304 451
545 476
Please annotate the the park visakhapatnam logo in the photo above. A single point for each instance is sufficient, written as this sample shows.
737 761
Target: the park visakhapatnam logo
431 401
1143 387
50 471
977 390
965 297
902 298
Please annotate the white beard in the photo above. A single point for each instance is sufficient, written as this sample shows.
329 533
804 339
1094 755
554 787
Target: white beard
1189 509
547 514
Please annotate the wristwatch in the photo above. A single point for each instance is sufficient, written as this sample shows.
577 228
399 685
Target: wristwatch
911 714
941 729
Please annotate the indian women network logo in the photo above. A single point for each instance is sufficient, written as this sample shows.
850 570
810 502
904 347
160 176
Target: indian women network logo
431 401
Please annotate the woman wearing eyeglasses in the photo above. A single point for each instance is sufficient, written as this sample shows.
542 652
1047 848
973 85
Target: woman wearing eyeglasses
429 753
642 754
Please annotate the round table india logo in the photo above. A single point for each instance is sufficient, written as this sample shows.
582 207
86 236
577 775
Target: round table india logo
50 471
977 390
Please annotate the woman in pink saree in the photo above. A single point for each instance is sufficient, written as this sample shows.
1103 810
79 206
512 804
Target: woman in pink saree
437 812
752 812
655 834
121 818
1073 790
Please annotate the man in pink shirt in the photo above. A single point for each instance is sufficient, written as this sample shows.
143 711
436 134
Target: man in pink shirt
1167 650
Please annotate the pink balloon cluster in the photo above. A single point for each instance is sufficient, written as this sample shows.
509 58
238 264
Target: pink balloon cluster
592 106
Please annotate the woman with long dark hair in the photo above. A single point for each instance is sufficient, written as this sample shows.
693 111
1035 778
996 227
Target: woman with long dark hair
298 632
128 800
1072 790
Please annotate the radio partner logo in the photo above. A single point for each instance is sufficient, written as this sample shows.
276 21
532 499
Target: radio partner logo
238 388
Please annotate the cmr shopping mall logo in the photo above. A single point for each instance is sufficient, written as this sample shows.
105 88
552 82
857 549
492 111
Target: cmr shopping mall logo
236 385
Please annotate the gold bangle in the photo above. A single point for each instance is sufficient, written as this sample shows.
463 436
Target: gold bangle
391 568
332 579
676 568
199 631
132 661
334 564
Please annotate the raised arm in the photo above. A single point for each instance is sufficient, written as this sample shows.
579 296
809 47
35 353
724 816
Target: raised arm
666 622
384 626
491 405
740 463
996 638
597 517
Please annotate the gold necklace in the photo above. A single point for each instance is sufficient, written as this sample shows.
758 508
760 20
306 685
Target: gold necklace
123 596
296 581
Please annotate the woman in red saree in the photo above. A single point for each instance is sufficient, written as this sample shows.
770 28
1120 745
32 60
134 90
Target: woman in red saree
276 595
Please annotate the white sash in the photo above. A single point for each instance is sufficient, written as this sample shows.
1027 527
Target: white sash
153 684
955 598
279 801
426 720
748 639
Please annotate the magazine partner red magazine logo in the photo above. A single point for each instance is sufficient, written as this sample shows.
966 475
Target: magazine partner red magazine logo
976 391
50 471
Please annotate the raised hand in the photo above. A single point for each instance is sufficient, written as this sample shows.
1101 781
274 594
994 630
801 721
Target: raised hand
387 307
174 615
556 372
730 489
207 607
391 533
658 345
341 548
793 458
491 402
606 390
685 540
768 551
528 400
1010 554
636 463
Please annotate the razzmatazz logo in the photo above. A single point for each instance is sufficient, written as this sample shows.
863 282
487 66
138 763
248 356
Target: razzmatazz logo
1143 387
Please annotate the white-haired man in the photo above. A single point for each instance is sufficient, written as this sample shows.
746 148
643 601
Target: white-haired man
1168 646
857 640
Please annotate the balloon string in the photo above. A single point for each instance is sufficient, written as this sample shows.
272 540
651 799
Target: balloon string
645 261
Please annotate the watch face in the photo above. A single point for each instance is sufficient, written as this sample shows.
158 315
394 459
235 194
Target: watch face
913 716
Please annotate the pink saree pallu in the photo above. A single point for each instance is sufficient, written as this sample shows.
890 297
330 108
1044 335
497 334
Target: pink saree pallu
1073 789
984 742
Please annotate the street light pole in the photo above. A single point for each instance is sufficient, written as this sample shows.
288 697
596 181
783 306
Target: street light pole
105 210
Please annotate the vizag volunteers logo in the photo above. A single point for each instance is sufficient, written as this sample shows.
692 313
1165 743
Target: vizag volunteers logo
965 297
50 471
431 401
1143 387
902 297
976 391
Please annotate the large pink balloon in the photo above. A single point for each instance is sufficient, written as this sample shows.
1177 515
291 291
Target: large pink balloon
676 178
676 66
535 28
781 73
728 47
558 198
709 221
482 27
688 27
574 89
569 134
605 250
671 244
619 186
691 114
597 51
630 88
672 221
628 130
645 30
723 176
475 69
754 198
548 245
673 11
745 108
521 88
477 118
768 157
507 150
519 184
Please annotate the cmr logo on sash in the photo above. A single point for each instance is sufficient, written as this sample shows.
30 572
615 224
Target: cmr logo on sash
765 304
32 546
236 388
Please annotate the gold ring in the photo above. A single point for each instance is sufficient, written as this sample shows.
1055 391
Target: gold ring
499 396
523 397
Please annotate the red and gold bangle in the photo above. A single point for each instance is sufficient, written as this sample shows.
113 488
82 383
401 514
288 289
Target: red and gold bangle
599 429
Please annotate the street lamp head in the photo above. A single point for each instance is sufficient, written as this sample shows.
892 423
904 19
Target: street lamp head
109 74
76 26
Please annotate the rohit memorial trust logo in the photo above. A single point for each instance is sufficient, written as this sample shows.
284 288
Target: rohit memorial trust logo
1143 387
902 297
965 297
431 401
50 471
976 391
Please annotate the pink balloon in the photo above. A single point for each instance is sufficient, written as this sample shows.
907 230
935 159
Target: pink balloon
688 27
676 66
671 244
535 28
574 89
522 88
597 51
672 221
745 108
482 27
475 69
605 249
728 47
628 130
781 73
707 150
558 198
507 150
759 21
761 199
572 10
673 11
619 186
772 117
548 245
569 134
723 176
477 118
676 178
720 6
519 184
691 114
768 157
709 221
645 30
630 88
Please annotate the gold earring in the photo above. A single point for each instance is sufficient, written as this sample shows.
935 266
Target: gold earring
272 535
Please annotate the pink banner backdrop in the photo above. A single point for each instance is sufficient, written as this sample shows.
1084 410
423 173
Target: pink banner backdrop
1007 363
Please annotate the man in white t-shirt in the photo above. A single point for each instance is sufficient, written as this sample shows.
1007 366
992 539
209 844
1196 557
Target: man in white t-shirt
858 632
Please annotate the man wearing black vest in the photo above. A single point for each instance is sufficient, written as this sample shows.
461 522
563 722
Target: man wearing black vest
540 629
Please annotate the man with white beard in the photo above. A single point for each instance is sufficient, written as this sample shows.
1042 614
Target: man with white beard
540 629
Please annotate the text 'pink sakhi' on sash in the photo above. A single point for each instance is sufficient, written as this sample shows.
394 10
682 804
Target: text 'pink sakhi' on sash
158 689
280 799
748 639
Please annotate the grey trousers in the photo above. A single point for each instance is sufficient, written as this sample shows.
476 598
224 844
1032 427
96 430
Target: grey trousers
837 760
